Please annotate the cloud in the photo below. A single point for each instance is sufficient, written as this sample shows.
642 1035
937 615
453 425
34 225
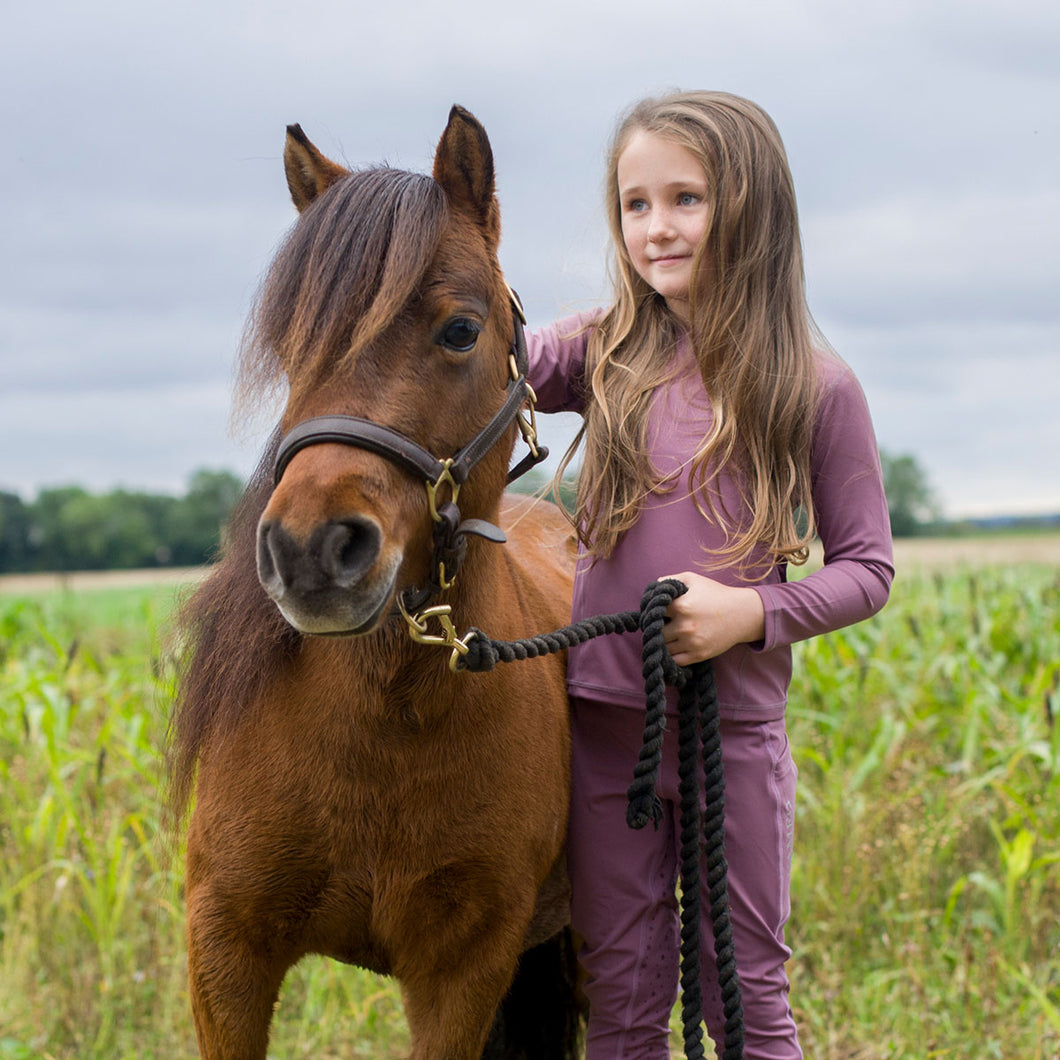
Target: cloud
149 438
144 196
983 256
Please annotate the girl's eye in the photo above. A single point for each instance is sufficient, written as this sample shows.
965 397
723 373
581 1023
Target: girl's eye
636 206
460 334
688 198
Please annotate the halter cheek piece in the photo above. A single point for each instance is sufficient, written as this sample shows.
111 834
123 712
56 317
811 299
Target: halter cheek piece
450 542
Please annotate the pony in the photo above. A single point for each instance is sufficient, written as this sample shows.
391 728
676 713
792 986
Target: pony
352 796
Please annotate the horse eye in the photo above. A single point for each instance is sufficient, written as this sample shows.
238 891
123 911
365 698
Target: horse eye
460 334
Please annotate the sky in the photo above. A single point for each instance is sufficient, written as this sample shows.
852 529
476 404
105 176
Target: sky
143 197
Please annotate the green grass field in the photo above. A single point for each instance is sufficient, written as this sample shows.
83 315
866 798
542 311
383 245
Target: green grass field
926 892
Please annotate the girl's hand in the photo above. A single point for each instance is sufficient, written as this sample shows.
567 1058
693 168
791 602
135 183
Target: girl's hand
710 618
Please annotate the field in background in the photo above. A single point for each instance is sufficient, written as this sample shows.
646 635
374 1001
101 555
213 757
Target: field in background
926 885
945 553
911 553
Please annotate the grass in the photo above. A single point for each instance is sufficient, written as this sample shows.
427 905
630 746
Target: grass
926 895
926 889
89 904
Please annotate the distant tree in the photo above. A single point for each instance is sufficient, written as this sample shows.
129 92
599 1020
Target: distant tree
56 532
911 500
133 528
76 530
14 533
539 482
534 481
67 528
197 527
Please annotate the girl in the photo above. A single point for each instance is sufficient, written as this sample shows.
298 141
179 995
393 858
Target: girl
719 438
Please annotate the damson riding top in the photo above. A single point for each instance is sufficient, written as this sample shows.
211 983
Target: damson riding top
672 534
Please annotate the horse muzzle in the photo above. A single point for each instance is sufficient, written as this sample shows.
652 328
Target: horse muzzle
335 581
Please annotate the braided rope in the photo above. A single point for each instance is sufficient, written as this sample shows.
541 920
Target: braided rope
699 732
717 867
484 653
688 740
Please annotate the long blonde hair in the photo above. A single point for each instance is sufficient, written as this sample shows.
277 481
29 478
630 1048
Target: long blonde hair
751 332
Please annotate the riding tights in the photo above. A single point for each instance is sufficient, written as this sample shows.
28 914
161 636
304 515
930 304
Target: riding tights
623 884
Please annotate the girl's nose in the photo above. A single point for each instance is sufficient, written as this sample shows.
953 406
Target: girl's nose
660 226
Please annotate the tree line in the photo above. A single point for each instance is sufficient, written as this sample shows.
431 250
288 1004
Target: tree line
68 528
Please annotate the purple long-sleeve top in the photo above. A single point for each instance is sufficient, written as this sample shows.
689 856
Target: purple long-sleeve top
672 534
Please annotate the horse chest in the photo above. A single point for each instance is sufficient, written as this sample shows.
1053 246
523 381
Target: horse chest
415 784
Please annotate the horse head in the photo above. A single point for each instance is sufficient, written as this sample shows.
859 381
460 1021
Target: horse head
385 307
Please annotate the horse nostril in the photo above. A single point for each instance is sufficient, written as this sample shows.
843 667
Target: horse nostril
347 549
270 557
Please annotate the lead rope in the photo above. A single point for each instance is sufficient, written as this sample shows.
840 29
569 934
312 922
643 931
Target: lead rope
698 733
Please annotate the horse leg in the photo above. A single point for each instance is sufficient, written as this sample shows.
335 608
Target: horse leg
450 1012
542 1014
233 985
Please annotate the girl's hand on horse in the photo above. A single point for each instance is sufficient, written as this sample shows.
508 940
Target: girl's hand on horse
711 618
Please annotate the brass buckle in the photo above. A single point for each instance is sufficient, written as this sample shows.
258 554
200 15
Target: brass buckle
525 418
432 488
444 582
516 303
419 630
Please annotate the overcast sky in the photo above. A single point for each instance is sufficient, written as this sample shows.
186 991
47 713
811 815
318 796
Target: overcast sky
143 196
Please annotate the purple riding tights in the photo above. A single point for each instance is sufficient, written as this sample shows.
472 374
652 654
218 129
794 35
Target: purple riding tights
623 882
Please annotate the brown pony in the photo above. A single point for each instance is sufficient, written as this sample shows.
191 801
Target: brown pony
352 796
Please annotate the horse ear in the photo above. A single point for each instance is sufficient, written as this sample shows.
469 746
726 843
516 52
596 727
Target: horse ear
308 172
463 165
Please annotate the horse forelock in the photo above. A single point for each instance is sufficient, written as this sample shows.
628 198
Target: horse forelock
343 274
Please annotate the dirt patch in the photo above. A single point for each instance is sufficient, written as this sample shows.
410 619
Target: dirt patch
940 553
1002 550
103 579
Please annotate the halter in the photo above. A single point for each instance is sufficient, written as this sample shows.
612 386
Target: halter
449 536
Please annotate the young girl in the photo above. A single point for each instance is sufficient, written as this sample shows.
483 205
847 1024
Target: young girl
719 438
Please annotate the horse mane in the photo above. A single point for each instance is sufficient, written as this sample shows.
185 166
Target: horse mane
342 275
233 641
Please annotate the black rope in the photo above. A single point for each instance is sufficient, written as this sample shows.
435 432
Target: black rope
699 734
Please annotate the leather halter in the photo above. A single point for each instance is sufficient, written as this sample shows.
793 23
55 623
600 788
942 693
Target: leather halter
408 454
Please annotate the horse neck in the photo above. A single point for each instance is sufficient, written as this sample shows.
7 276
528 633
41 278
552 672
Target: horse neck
399 674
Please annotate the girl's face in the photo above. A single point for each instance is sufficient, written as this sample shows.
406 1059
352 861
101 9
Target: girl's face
665 213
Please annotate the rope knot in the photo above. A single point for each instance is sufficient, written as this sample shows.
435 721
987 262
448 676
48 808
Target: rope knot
643 808
482 656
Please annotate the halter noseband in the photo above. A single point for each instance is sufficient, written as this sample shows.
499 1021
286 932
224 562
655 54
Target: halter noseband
449 530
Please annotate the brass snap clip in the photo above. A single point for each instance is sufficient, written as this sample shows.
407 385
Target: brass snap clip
419 630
